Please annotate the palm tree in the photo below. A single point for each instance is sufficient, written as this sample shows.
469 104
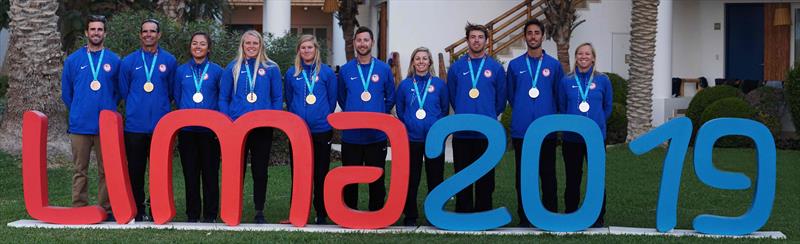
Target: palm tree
560 21
348 10
644 20
34 64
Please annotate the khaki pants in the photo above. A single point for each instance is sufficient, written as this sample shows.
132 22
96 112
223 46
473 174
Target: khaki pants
81 150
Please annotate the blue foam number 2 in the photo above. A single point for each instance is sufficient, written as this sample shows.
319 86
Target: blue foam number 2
679 131
434 146
595 185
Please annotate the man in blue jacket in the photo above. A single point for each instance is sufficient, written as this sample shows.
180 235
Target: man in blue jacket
366 85
145 83
532 81
89 85
477 85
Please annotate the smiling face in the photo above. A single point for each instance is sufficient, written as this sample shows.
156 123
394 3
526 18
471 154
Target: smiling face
477 41
149 34
533 37
307 51
96 33
199 47
422 62
251 46
363 44
584 57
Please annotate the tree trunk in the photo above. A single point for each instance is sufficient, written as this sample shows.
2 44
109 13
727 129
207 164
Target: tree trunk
348 10
563 56
172 9
34 61
644 20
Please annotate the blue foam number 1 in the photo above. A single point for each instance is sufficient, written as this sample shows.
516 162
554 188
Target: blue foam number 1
595 185
764 193
434 146
678 132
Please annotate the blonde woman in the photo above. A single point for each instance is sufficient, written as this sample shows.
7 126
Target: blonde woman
311 94
584 92
253 82
421 100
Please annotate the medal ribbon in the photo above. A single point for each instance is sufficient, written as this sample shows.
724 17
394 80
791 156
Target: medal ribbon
421 100
472 74
251 83
95 69
584 93
310 84
199 82
364 81
149 72
535 79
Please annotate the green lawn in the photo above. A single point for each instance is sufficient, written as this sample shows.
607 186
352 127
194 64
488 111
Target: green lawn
632 186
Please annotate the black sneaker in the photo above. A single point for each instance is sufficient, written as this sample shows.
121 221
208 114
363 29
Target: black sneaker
259 219
192 220
410 222
600 223
110 217
525 224
209 220
321 220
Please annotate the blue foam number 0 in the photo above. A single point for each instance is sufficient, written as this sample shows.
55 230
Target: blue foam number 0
434 146
595 185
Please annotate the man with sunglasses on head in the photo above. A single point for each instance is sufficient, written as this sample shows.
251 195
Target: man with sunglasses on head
145 83
88 86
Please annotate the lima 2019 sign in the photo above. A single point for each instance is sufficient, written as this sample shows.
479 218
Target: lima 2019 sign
232 135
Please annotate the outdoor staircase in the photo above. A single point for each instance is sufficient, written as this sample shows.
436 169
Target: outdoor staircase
505 40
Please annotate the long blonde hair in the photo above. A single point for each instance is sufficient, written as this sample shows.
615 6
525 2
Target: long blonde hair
594 56
260 58
413 70
298 60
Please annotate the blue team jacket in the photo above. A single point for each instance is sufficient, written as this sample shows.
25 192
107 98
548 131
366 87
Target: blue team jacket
268 89
491 85
144 109
325 89
524 108
185 88
600 99
83 104
436 105
381 87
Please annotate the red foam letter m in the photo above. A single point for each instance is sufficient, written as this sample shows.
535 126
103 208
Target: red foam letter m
232 137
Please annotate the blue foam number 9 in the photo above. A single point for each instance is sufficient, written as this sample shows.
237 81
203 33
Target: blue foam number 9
434 146
764 193
595 185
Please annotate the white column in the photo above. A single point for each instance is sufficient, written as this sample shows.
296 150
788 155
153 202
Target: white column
662 65
277 17
338 56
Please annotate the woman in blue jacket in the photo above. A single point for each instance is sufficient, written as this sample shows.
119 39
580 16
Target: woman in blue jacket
311 94
253 82
421 100
197 87
584 92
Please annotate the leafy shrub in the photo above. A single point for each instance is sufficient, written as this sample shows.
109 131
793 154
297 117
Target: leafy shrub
792 94
731 107
706 97
769 104
620 87
617 124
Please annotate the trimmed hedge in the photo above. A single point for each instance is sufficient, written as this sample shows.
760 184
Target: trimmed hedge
617 124
706 97
770 104
731 107
620 87
792 94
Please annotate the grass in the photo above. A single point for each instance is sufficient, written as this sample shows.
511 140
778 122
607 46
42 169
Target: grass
632 186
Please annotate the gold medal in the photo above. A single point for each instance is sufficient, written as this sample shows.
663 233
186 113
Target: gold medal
366 96
95 85
311 99
148 86
474 93
198 97
251 97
